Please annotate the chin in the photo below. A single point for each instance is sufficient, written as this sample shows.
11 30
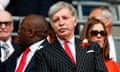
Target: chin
101 45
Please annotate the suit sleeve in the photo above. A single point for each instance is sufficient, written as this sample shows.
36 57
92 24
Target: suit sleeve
99 62
40 63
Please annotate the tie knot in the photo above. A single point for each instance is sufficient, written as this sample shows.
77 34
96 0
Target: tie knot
5 46
66 41
6 50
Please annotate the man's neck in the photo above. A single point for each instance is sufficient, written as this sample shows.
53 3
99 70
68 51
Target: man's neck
4 39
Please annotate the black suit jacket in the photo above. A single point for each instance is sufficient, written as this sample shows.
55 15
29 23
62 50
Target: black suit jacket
54 59
31 65
3 65
11 63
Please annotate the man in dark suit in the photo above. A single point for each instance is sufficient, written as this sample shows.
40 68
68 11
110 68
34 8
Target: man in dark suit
31 36
68 53
6 29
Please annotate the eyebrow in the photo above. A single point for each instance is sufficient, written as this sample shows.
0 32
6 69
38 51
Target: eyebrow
5 22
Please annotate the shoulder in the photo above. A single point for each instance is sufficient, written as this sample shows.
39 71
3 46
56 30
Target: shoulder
18 49
53 47
43 52
15 46
45 42
92 44
45 48
49 46
110 62
112 65
89 41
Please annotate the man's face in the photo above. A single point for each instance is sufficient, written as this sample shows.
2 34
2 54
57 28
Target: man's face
23 33
6 26
63 23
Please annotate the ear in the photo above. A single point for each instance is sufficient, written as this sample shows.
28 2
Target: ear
108 22
75 21
31 32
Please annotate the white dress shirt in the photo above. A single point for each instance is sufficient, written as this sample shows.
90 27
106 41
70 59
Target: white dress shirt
11 49
33 48
112 48
71 45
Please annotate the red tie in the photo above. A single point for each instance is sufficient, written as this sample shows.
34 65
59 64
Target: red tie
68 51
23 61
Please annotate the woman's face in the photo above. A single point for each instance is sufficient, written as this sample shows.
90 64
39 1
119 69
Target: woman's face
97 34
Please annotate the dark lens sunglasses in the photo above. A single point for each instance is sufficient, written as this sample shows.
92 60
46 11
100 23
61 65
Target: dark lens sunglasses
95 33
6 22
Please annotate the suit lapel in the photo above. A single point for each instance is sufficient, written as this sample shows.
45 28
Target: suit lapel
45 43
80 54
31 66
12 60
59 52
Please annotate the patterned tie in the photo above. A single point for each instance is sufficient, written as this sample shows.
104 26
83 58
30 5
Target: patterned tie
68 51
23 61
6 50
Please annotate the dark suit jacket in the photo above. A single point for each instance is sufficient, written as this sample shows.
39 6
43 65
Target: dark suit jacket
54 59
31 65
12 61
3 65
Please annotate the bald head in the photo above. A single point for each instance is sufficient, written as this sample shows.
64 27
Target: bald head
95 13
5 16
101 13
36 22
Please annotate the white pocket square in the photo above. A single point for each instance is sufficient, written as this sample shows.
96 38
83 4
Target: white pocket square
41 47
90 51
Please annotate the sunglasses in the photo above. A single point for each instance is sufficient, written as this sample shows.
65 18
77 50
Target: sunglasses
95 33
5 22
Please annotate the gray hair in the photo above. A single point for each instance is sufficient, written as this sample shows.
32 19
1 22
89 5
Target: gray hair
106 12
59 5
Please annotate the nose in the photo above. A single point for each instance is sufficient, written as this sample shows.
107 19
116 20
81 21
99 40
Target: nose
61 22
99 35
2 25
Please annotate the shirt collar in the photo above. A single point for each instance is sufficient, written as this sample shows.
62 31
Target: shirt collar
8 41
62 41
36 45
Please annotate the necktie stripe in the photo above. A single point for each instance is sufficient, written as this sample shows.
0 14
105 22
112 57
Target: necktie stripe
23 61
68 51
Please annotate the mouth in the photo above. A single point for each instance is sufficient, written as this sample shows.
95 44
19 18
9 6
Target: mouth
62 30
98 41
3 30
